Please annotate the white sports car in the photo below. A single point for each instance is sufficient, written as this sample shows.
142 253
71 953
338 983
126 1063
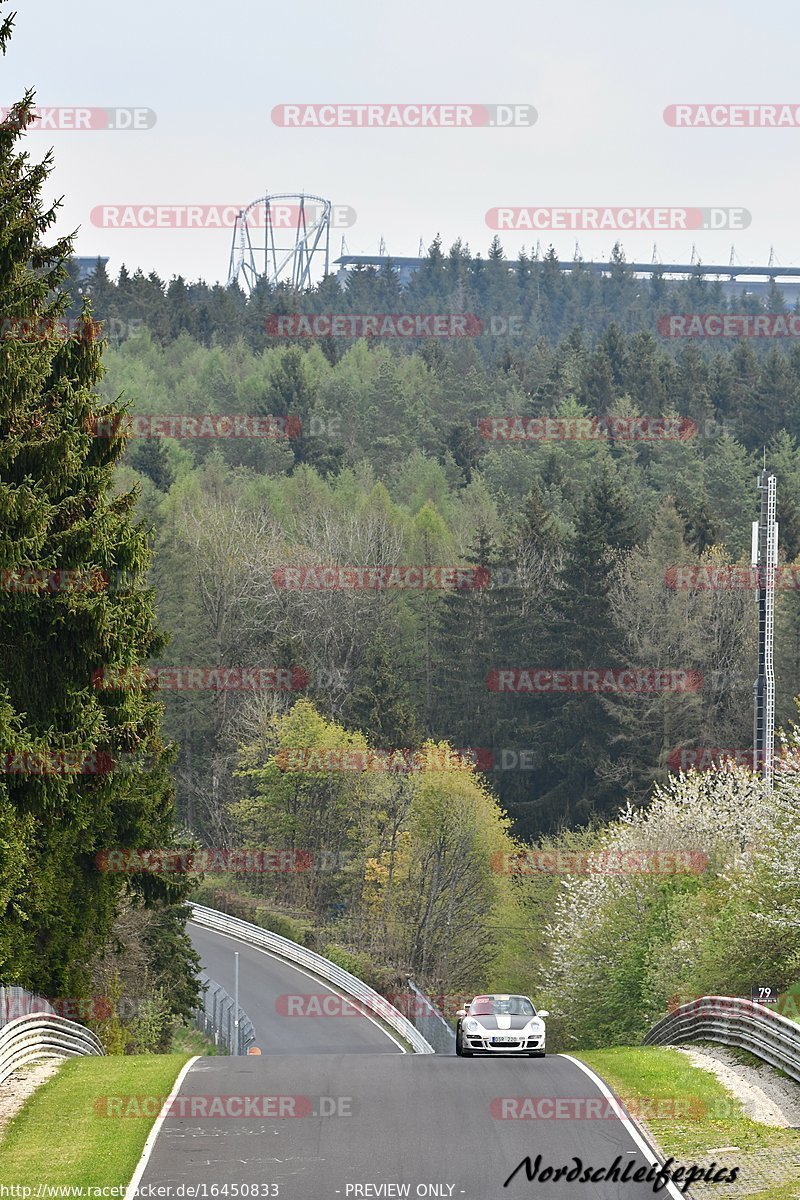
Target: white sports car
500 1024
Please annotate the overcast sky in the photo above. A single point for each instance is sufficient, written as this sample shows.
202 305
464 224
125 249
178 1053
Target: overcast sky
599 76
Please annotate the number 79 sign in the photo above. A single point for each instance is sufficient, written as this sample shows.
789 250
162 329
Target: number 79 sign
764 995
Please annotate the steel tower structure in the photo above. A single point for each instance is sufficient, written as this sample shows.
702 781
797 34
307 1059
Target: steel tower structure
302 223
765 560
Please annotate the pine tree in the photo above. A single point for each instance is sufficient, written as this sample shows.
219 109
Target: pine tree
377 704
149 457
475 634
291 394
770 408
580 734
58 512
531 550
613 343
598 384
101 291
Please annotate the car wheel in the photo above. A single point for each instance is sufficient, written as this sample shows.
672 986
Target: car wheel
460 1051
536 1054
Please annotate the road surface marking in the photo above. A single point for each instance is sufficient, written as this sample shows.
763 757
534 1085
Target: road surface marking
648 1151
147 1149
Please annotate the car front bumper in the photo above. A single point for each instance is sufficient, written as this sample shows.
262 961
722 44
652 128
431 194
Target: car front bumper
490 1043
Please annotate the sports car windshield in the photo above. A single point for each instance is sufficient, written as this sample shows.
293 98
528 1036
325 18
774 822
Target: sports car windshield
514 1006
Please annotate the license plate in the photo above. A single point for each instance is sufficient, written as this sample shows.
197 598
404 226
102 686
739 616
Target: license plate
497 1040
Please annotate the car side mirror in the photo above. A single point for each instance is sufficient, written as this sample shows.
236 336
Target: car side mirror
462 1012
543 1013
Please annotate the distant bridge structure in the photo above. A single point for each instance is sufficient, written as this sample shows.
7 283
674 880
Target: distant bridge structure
755 280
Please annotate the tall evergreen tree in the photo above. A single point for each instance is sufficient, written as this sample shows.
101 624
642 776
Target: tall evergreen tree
580 733
149 457
473 635
60 805
378 704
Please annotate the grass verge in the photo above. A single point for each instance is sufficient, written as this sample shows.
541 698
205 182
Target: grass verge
61 1135
188 1041
692 1117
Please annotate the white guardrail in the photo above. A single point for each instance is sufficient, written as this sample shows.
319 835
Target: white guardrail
733 1021
42 1035
366 996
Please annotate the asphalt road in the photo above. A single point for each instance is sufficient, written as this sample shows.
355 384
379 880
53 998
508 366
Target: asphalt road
332 1109
341 1125
263 979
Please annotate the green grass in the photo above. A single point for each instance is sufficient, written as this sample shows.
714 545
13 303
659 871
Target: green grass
697 1115
60 1136
191 1041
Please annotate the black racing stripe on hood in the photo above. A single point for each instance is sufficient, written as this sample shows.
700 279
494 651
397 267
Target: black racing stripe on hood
491 1022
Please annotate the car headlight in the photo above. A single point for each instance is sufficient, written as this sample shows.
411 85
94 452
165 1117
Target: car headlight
471 1025
536 1025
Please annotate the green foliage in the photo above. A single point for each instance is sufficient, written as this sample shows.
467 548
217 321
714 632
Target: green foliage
145 972
626 943
248 908
578 545
398 858
59 511
383 979
393 466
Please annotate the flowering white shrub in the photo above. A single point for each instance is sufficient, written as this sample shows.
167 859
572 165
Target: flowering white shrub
622 942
